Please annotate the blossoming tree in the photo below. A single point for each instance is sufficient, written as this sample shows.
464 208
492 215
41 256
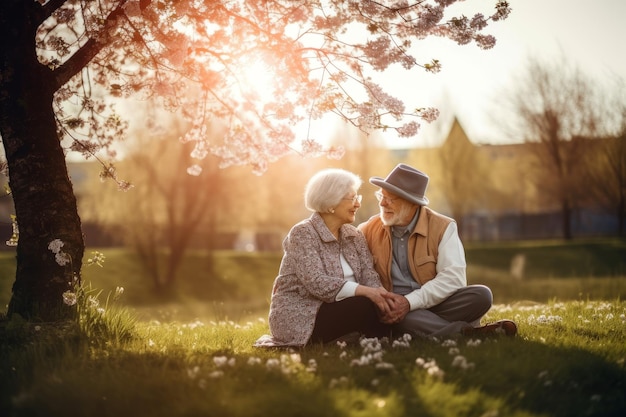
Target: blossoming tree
63 61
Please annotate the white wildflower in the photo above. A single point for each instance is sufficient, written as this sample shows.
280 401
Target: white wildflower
435 372
97 259
252 360
402 342
291 358
69 298
370 345
192 373
460 361
272 363
474 342
338 382
220 361
384 366
312 367
118 292
93 301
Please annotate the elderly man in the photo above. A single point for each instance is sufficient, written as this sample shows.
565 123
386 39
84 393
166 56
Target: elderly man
421 261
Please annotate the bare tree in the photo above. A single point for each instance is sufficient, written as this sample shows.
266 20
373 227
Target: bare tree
165 211
606 160
554 108
610 176
171 205
65 59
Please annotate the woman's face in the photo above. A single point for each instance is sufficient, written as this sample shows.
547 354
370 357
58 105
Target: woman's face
346 210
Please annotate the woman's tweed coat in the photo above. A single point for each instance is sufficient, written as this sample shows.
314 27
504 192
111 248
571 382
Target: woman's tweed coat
310 274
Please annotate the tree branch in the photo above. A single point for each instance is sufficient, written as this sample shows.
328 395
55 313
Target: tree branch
48 9
90 49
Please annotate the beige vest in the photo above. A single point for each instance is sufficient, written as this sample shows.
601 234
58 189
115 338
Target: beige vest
423 245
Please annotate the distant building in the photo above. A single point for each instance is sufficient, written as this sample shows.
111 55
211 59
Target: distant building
508 203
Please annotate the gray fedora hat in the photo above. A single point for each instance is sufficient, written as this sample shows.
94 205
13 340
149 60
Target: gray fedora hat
405 182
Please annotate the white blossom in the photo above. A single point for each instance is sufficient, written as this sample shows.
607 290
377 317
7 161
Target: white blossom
55 245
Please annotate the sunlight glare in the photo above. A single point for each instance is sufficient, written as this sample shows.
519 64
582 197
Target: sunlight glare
257 80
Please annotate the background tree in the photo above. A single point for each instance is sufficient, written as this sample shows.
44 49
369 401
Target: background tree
605 163
66 58
167 207
554 108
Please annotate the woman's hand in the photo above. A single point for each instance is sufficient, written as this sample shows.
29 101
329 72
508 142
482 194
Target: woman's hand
377 295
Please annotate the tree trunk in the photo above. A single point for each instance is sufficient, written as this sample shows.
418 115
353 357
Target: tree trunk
45 205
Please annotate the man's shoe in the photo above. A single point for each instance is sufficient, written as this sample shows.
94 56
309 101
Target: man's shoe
500 327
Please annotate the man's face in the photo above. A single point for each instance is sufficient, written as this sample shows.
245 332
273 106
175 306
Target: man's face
394 210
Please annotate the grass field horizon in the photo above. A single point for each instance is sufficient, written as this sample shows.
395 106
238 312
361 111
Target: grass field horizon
239 285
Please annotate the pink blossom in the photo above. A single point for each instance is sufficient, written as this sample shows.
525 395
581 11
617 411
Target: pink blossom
194 170
408 129
429 114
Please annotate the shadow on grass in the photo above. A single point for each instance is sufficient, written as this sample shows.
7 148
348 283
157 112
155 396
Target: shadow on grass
509 377
543 379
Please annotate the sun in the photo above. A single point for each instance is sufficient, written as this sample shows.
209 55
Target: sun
258 88
256 81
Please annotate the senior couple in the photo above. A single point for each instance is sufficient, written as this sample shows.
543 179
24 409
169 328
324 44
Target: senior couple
402 271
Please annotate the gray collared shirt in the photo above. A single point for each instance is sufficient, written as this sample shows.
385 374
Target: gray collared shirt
403 281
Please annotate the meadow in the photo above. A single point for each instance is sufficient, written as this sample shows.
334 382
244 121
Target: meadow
190 353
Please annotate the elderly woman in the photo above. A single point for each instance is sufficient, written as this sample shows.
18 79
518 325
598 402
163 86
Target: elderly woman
327 287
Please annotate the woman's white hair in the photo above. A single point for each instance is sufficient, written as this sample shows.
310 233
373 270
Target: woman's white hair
328 187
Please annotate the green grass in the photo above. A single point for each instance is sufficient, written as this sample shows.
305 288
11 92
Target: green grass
190 353
554 258
578 270
567 361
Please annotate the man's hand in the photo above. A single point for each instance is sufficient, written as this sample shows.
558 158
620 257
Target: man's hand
398 308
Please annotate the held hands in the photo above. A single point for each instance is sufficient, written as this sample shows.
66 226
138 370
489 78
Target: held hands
392 307
398 307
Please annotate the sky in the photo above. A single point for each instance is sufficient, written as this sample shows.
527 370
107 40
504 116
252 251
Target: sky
588 33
